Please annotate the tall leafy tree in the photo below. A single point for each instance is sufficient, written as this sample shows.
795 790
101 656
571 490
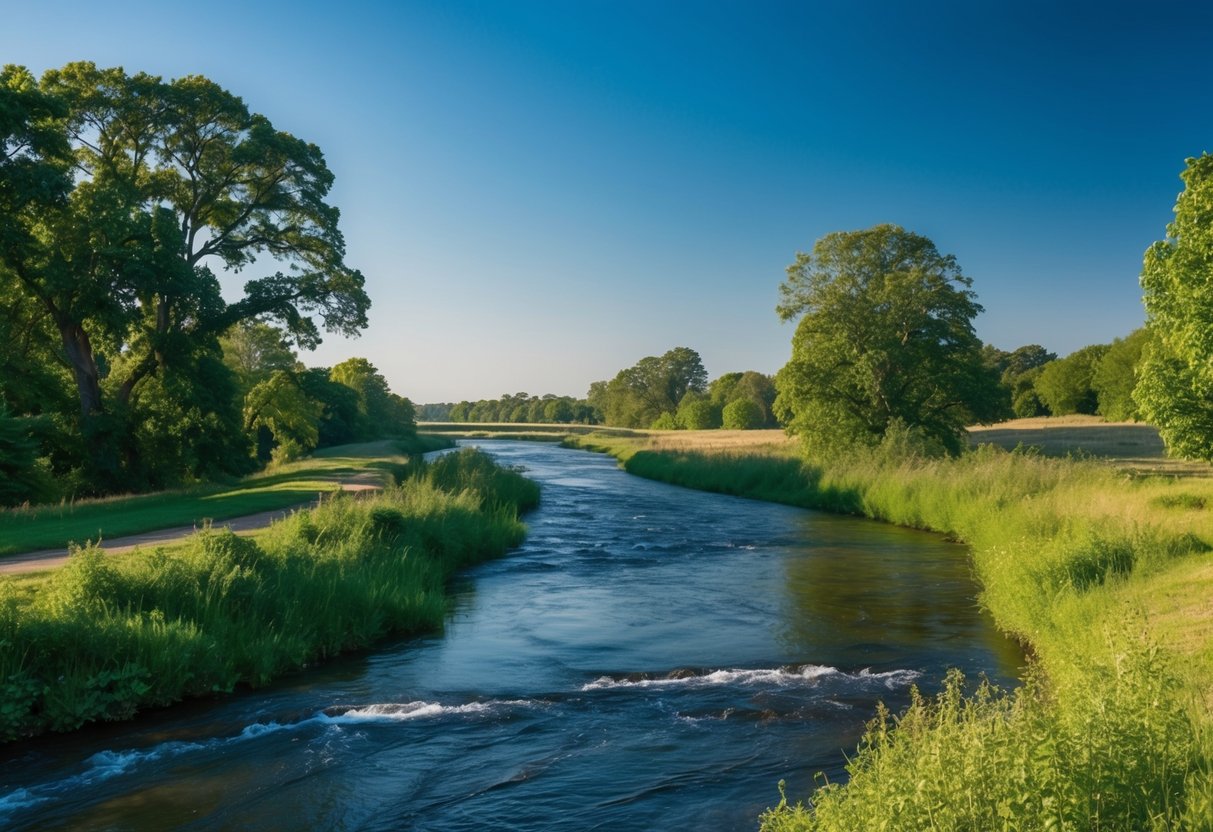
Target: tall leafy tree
171 180
380 411
281 406
254 350
885 336
1175 379
1116 376
654 385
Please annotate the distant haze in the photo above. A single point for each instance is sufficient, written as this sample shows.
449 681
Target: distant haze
541 193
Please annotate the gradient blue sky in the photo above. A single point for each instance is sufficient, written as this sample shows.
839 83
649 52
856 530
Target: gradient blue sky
541 193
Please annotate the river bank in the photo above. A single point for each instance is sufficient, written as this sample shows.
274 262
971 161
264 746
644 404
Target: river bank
1106 577
105 636
649 657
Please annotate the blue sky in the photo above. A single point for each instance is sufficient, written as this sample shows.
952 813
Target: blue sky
541 193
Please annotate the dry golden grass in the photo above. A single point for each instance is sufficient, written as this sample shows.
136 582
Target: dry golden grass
1133 446
758 441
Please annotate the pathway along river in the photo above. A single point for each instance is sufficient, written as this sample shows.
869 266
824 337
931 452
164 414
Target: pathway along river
651 657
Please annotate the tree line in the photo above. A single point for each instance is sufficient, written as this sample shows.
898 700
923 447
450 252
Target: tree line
122 195
518 408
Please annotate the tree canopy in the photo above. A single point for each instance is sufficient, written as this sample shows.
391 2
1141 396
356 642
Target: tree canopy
655 385
1175 379
885 337
1067 385
122 194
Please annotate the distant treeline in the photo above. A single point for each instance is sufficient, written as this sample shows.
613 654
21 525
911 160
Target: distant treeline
520 407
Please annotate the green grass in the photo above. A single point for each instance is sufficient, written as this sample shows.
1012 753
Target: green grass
1107 577
56 526
106 636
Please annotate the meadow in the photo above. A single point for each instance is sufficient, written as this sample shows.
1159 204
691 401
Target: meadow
31 528
106 636
1102 569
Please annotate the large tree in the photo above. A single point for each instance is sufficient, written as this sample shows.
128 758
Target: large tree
885 338
170 181
653 386
1175 378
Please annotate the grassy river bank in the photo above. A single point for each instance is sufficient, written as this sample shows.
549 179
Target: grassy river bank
106 636
1105 576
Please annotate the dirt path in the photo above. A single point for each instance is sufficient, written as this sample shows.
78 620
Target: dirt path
52 558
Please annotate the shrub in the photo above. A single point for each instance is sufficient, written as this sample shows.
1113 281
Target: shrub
742 414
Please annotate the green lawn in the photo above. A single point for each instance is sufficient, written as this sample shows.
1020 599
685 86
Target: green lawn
54 526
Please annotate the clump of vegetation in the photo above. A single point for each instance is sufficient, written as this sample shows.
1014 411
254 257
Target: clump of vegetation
106 636
1114 757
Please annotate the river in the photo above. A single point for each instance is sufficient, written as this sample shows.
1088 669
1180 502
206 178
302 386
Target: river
651 657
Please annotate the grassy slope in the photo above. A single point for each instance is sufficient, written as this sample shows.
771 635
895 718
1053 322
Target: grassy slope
105 636
1108 577
53 526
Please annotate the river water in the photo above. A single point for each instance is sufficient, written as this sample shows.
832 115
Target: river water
650 657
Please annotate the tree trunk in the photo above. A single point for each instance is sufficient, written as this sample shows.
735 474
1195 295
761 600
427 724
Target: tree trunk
84 367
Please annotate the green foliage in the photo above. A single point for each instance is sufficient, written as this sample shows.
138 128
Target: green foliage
1118 756
1176 370
697 412
188 426
751 385
1067 385
22 477
742 414
885 334
280 405
1018 371
254 350
167 179
473 471
666 421
519 407
338 423
105 636
1116 376
1025 401
380 411
655 385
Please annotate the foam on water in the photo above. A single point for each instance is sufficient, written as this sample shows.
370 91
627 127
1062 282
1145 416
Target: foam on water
397 712
777 677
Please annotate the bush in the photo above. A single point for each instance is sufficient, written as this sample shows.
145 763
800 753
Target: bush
743 414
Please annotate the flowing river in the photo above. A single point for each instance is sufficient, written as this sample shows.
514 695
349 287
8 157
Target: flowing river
651 657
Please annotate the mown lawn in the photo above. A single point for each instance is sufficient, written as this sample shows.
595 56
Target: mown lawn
56 526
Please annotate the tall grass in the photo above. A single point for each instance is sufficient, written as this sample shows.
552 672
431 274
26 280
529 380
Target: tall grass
1112 728
104 637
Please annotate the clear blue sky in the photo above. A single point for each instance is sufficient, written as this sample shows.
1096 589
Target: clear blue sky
541 193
